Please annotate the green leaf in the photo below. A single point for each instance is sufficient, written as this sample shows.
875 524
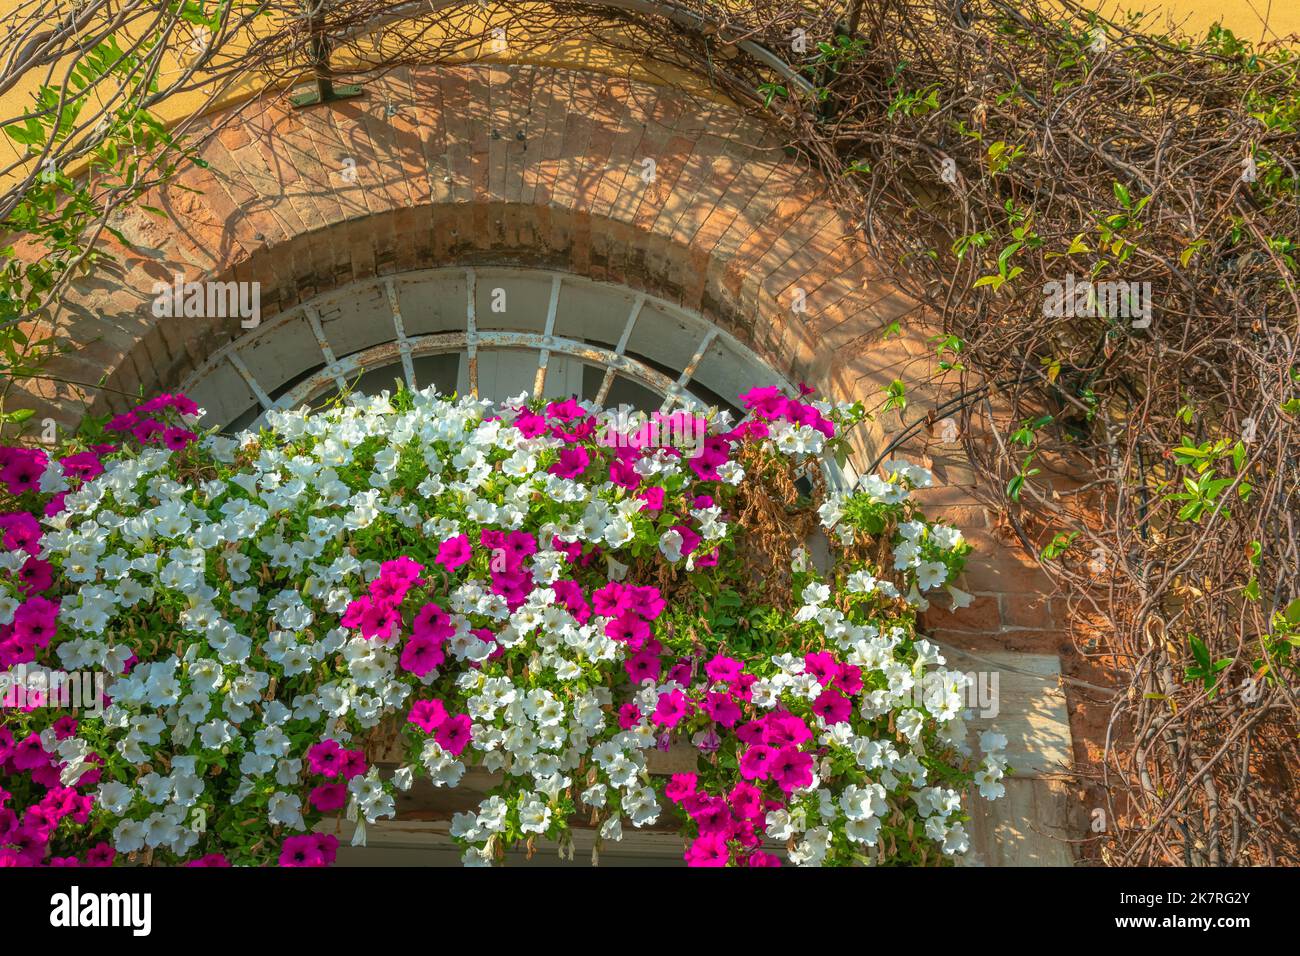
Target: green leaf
1292 612
1199 651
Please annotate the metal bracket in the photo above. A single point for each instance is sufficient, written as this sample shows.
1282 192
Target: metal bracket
326 92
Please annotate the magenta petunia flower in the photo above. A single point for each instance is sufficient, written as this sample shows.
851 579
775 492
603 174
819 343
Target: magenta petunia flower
628 630
301 851
329 797
82 466
746 801
454 552
672 707
327 846
21 469
792 768
832 707
529 423
572 463
178 438
690 540
612 600
35 575
712 815
432 623
32 847
681 671
849 679
122 423
374 619
6 751
645 600
783 727
756 762
101 854
642 666
34 621
427 714
681 786
147 430
624 474
20 532
571 549
453 734
565 411
325 758
821 666
352 763
518 545
629 716
708 850
765 401
402 569
421 655
722 668
653 498
721 708
569 593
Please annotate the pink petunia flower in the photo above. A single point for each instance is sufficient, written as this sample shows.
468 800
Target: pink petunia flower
629 715
454 552
329 797
708 850
722 668
756 762
325 758
421 655
427 714
20 532
653 498
301 850
453 734
792 768
642 666
832 707
672 707
572 463
680 786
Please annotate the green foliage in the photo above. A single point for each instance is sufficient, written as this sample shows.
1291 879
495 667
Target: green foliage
60 212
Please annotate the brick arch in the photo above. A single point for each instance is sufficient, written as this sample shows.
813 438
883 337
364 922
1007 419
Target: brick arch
518 164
